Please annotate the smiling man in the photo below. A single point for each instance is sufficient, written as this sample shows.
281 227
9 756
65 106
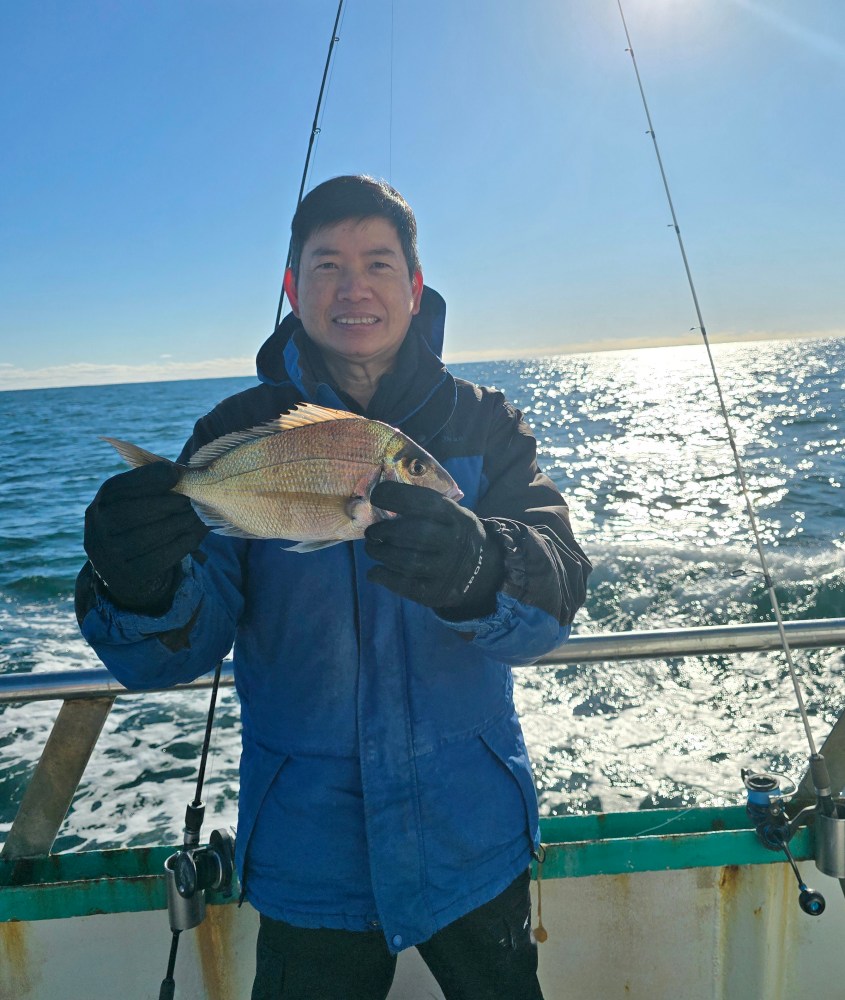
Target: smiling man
386 796
355 294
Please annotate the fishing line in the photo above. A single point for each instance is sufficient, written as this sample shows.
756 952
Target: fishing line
815 757
315 131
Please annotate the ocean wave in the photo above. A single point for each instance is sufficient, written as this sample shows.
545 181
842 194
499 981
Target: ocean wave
39 587
19 542
671 586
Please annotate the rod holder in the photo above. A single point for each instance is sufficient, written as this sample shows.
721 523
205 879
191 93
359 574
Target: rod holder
830 841
184 913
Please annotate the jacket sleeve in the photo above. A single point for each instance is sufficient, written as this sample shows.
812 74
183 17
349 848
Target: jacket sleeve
146 651
545 568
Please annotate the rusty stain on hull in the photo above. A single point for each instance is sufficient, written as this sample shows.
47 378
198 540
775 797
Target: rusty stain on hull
729 880
215 937
14 965
756 931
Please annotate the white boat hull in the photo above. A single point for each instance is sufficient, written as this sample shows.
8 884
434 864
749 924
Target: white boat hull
713 933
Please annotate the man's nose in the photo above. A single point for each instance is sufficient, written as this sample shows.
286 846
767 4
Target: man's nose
354 286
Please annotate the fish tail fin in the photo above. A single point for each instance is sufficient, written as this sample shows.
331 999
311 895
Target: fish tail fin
134 455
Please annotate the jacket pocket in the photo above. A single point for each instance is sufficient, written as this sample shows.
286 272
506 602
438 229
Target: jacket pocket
505 741
478 808
258 771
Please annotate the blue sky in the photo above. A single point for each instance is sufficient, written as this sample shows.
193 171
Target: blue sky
152 154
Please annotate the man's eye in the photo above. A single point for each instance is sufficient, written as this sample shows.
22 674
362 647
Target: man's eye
327 265
381 265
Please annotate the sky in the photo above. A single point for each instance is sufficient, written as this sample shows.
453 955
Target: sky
153 153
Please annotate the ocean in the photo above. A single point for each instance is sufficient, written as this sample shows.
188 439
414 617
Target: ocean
636 442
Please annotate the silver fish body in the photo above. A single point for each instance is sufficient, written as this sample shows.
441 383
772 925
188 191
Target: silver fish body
306 476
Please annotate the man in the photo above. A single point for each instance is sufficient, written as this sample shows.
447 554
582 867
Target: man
386 797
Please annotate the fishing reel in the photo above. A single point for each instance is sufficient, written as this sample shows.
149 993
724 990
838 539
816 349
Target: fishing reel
766 808
195 868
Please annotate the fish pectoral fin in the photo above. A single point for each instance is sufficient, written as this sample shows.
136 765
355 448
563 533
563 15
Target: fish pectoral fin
335 516
360 511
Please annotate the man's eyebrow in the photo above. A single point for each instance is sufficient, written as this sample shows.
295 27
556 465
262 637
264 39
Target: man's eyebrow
332 252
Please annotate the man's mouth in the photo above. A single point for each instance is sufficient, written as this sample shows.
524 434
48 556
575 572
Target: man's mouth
356 320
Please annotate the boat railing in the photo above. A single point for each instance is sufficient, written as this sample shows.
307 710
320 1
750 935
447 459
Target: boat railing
88 694
710 640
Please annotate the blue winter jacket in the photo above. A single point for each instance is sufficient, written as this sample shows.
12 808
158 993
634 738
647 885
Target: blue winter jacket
384 777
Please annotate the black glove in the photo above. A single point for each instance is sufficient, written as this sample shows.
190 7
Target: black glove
136 534
436 552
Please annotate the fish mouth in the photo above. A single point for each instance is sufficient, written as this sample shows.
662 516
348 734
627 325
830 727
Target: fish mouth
454 493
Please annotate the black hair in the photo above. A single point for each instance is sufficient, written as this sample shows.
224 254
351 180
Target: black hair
356 197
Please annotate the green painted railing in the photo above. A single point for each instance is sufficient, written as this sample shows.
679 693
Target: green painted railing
132 879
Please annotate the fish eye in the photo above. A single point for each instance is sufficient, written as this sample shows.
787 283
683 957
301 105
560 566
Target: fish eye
416 467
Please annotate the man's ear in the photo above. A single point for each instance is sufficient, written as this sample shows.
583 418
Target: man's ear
416 290
290 291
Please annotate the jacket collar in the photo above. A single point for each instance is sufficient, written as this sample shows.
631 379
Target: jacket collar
418 395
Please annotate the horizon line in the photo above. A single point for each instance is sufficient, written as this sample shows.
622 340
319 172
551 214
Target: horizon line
89 375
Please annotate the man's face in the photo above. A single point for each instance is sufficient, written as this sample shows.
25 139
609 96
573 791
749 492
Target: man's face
354 295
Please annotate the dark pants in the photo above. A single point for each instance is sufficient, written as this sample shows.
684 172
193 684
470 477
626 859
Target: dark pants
489 954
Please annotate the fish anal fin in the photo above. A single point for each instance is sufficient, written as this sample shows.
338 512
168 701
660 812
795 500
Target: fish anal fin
217 521
316 545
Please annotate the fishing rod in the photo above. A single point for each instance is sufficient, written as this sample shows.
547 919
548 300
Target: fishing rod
195 869
315 131
765 798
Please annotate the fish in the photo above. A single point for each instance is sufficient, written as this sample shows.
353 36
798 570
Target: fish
304 477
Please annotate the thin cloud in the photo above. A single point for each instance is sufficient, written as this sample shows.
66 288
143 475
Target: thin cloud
632 344
84 373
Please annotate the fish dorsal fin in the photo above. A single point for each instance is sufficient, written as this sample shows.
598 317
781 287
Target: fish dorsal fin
299 416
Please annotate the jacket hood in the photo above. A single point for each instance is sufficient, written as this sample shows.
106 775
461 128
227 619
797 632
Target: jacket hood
418 395
429 324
